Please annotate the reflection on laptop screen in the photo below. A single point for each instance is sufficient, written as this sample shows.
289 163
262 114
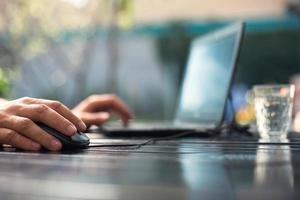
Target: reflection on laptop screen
207 78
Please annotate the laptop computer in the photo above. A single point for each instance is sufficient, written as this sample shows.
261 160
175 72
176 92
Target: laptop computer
205 87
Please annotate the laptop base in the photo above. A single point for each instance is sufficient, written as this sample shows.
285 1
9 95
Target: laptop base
139 129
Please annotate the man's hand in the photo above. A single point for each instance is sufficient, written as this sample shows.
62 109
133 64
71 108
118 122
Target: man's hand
97 109
17 127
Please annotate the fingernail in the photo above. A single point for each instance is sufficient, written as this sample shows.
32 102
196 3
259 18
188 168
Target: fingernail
71 129
82 126
56 145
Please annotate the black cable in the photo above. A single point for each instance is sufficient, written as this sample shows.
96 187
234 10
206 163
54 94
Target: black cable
204 133
153 140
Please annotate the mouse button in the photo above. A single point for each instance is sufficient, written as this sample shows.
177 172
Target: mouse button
80 137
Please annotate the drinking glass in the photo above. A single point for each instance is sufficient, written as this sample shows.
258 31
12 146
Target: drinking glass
273 108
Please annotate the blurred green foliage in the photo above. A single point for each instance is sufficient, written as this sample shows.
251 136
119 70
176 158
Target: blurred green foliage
27 28
125 14
4 83
24 33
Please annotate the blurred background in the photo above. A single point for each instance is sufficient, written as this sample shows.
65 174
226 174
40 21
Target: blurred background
69 49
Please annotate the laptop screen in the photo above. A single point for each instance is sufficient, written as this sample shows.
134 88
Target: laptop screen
208 76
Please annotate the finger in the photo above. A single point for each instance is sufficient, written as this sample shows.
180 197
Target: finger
59 108
45 114
95 118
29 129
11 137
112 103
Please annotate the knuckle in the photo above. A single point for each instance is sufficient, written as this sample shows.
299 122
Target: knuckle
92 97
108 97
112 96
44 139
56 104
42 108
113 99
4 117
10 137
25 123
40 136
15 107
26 99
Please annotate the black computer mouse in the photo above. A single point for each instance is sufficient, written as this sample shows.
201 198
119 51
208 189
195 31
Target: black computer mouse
79 140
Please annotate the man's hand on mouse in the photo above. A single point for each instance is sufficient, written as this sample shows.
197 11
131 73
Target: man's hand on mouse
17 117
97 109
17 127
